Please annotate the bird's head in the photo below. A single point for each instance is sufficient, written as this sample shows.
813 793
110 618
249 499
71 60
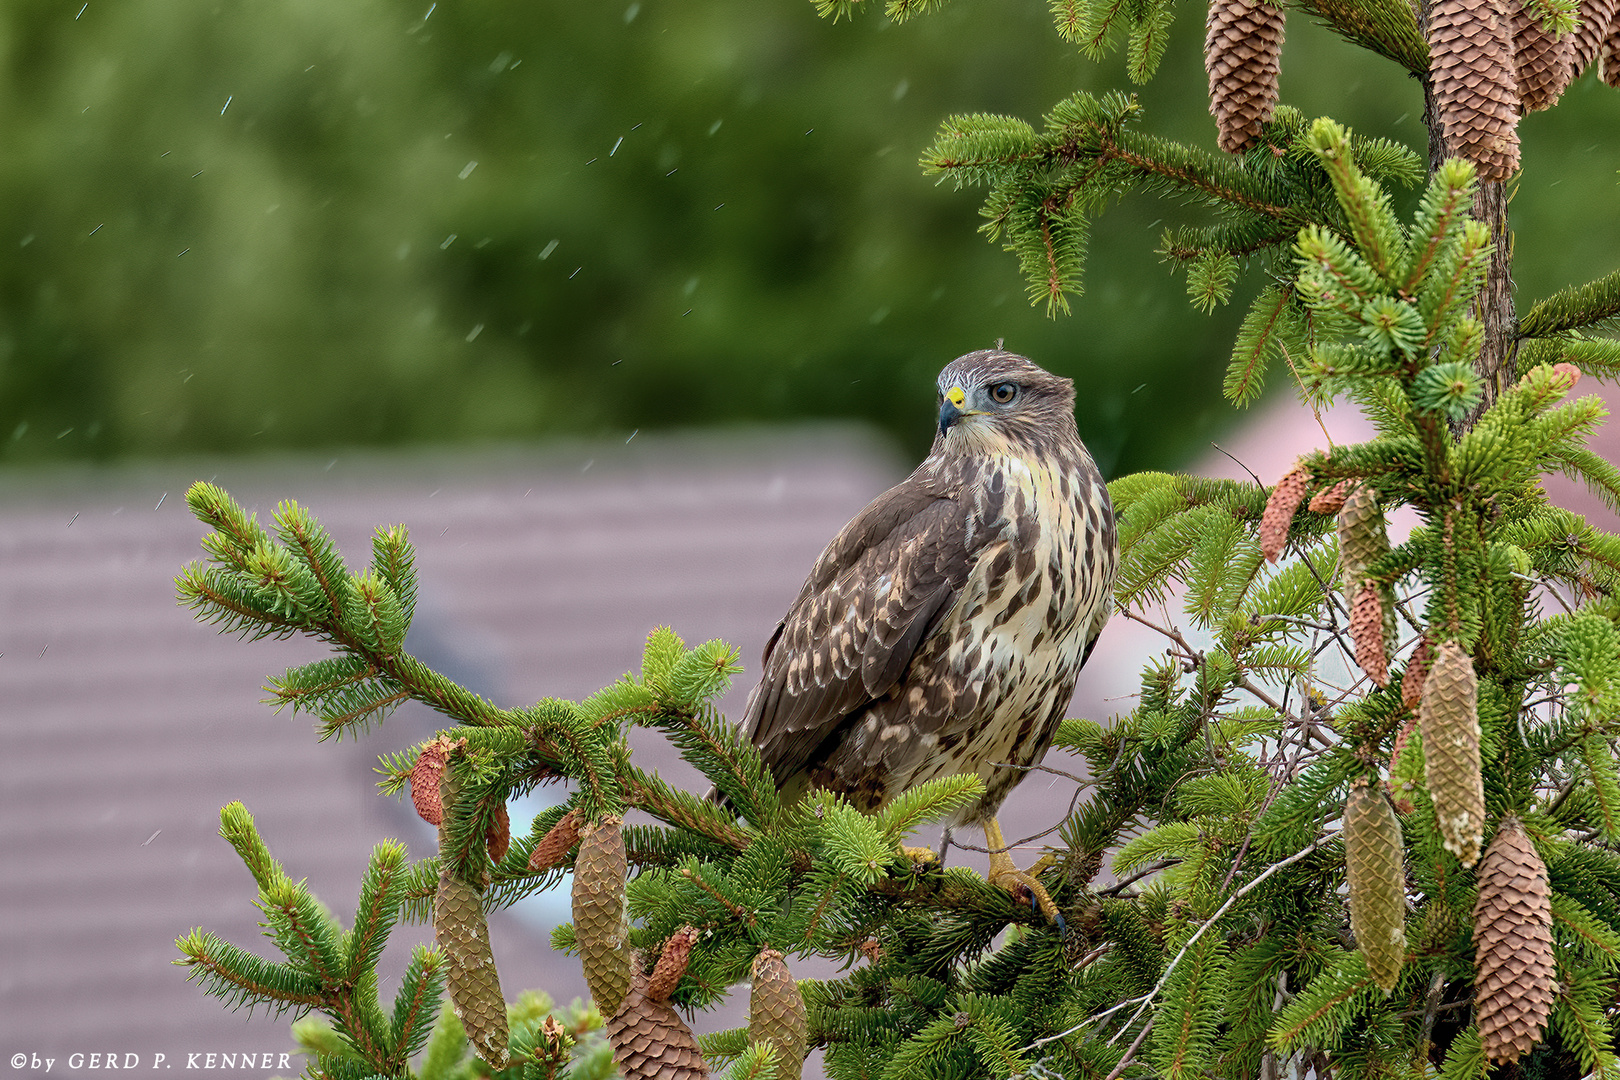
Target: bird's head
990 399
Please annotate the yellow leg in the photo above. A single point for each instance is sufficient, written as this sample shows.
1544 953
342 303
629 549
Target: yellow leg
919 856
1005 875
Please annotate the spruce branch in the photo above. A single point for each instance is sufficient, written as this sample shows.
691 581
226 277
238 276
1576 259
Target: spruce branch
421 989
1386 27
304 930
1445 206
1243 235
1366 205
1047 185
218 598
1271 328
300 532
647 792
381 892
1593 305
237 828
327 968
1597 356
241 978
1315 1017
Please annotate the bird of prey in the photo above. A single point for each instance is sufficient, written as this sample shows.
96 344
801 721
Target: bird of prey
941 632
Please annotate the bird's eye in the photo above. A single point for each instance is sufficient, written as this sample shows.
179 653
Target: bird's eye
1004 392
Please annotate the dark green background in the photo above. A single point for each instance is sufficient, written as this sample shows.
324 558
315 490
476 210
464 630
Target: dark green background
314 265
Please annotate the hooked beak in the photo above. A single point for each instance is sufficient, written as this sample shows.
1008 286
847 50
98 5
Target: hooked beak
950 409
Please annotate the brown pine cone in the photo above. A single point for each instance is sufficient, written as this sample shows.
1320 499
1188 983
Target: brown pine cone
1448 718
649 1039
1596 26
1609 56
1331 500
776 1014
1375 872
1514 981
671 964
1542 63
1417 669
1367 632
475 986
1477 95
1242 54
1280 508
554 847
498 836
425 776
601 920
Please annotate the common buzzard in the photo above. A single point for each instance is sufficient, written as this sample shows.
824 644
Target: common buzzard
941 632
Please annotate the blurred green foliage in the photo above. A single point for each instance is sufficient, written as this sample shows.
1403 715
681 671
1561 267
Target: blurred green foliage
233 225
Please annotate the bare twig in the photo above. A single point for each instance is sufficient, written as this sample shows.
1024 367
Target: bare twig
1237 862
1143 1001
1094 955
1332 606
1261 617
1168 631
1120 886
1563 793
1238 463
1431 1008
1130 1051
1082 781
1073 802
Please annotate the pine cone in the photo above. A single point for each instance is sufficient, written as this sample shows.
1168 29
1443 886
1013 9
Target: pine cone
1363 538
1417 670
1541 62
1449 721
425 776
1376 874
1440 925
1609 57
498 836
1331 500
1514 984
1471 69
1280 507
553 847
475 986
1597 26
650 1041
601 922
1367 631
776 1014
671 964
1242 54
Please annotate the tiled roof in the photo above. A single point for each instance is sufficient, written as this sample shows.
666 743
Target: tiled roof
128 724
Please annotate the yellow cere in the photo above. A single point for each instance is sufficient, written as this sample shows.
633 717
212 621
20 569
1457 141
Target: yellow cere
955 396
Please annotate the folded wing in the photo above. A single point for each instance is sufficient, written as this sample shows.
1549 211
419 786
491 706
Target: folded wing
871 600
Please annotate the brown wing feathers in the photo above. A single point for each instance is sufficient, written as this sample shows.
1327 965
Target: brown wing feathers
875 592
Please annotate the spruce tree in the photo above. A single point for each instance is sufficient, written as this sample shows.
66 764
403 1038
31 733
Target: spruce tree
1364 815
